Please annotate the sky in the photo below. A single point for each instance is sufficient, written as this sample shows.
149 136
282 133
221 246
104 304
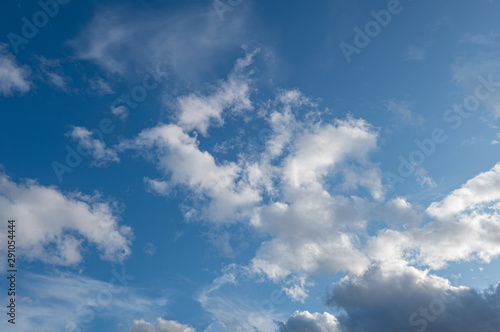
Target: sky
247 165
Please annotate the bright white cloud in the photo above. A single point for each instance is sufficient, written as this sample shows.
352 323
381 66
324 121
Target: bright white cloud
161 326
309 218
54 227
296 288
465 227
178 156
482 189
312 322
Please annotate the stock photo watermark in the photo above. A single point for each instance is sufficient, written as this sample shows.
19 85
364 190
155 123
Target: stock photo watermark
429 314
454 116
30 27
363 37
11 270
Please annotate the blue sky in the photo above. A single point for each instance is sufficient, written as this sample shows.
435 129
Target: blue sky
238 165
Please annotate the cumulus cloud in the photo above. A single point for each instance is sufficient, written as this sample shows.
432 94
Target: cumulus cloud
161 326
54 227
178 156
310 322
397 297
101 154
465 226
309 218
13 77
478 191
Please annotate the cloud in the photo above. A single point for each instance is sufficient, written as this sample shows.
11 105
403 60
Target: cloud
309 218
54 227
100 86
482 39
415 53
305 321
423 178
464 227
199 112
13 77
190 40
162 326
300 156
120 111
101 154
397 297
68 301
53 73
178 156
402 111
231 302
480 190
296 288
149 249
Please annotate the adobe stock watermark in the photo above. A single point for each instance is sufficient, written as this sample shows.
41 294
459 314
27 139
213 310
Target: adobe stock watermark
372 29
454 116
137 94
222 6
30 27
103 298
420 319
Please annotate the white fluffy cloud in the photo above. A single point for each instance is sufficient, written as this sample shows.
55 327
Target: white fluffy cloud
54 227
466 226
310 217
314 221
178 156
13 77
478 191
162 326
310 322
